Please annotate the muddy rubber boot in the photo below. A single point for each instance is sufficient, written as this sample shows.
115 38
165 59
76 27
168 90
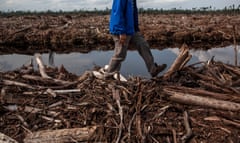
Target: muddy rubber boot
158 69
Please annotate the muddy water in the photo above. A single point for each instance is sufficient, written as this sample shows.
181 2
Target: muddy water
133 65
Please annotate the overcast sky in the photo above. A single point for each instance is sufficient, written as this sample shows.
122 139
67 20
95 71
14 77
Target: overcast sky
70 5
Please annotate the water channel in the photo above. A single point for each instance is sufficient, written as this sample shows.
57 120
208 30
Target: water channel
77 63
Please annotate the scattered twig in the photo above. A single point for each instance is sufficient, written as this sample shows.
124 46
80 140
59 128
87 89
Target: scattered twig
163 110
48 80
116 96
188 134
29 109
229 122
235 45
138 115
22 120
155 140
130 124
51 119
174 136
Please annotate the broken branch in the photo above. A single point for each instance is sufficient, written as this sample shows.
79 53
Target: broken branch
61 136
202 101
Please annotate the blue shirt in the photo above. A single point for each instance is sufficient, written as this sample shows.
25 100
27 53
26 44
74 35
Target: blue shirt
124 17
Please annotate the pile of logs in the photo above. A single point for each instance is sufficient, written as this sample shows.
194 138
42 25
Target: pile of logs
213 79
189 103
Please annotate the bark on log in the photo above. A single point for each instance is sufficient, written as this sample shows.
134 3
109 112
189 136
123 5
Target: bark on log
202 101
61 136
180 61
204 93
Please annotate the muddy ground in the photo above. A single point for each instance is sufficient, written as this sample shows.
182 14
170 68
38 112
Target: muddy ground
197 103
90 31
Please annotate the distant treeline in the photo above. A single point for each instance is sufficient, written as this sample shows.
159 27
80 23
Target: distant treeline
203 10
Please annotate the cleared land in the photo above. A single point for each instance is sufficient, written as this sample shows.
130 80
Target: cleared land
197 103
89 31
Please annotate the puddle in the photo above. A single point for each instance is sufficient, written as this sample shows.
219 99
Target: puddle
133 65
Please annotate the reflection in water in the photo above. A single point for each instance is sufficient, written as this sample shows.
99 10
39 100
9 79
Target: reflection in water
51 58
227 55
133 65
236 54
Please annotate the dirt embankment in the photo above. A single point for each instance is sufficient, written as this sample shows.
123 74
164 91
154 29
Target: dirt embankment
91 31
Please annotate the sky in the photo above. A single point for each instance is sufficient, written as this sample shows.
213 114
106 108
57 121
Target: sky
70 5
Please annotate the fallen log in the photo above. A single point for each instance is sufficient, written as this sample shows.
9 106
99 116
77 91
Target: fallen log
49 81
202 101
214 87
41 66
180 61
6 139
204 93
61 136
15 83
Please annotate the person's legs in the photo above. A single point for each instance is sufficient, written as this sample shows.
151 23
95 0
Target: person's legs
119 55
143 48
